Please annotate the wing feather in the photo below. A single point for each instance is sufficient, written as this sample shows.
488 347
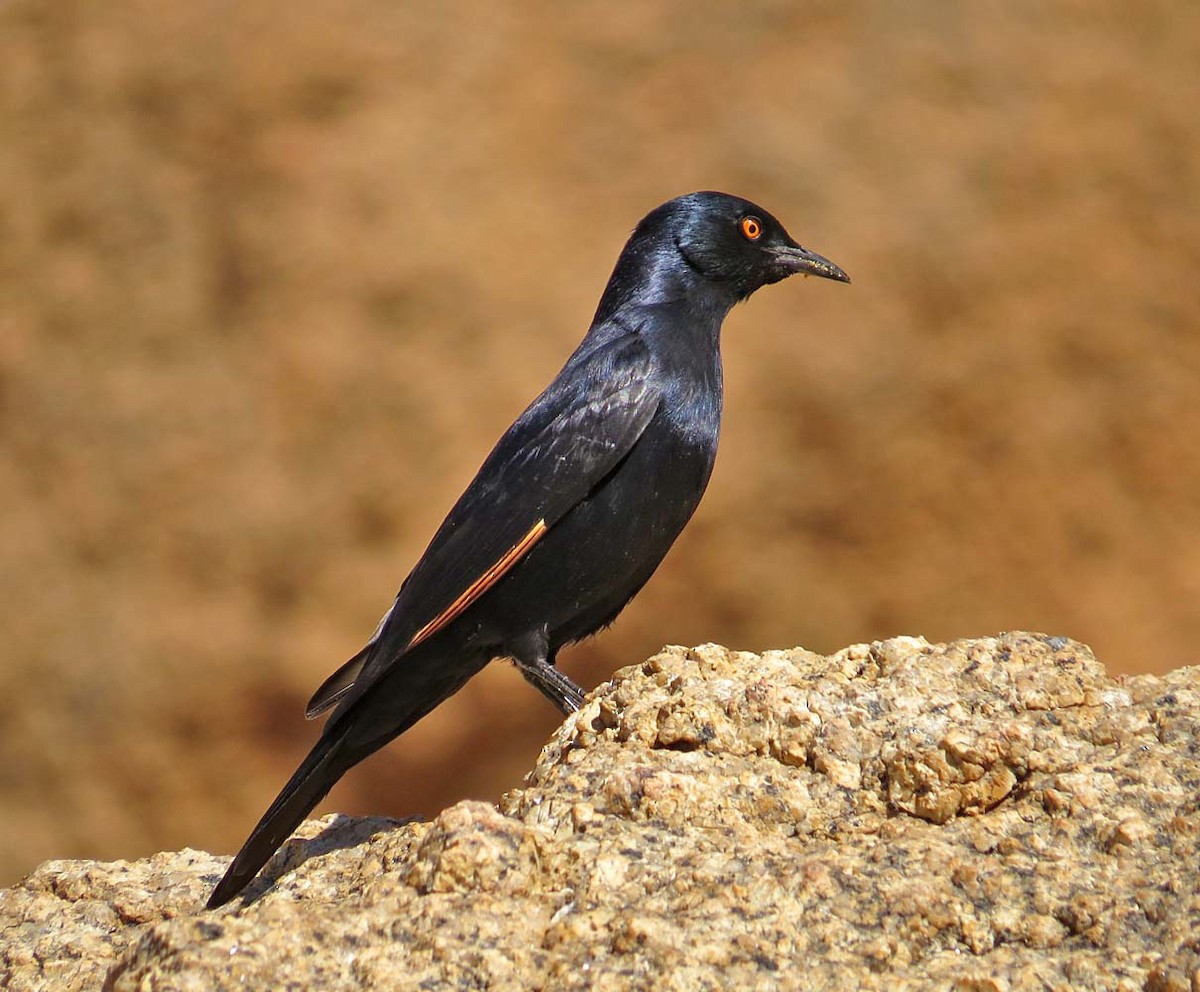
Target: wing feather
556 453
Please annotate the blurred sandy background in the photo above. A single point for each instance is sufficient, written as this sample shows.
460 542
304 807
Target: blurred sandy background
274 278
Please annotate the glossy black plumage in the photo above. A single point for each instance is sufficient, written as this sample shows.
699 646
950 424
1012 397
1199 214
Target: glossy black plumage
574 508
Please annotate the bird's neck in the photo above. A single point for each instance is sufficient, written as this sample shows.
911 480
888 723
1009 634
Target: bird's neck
659 278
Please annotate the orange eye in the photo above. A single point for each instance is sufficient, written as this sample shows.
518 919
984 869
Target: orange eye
752 228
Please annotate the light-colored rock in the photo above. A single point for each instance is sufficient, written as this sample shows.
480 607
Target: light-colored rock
987 814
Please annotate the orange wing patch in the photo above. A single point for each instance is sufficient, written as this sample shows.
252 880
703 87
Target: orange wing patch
481 584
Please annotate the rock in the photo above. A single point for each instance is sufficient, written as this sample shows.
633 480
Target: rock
992 814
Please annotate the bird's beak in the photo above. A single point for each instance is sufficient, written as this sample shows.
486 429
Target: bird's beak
795 259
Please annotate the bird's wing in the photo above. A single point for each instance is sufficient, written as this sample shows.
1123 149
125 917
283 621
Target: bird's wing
556 453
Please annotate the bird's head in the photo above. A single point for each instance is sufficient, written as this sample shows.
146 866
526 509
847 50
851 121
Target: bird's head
732 241
711 249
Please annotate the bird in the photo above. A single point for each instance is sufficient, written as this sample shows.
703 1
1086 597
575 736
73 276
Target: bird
574 508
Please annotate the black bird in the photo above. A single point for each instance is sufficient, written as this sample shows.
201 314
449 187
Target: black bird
574 508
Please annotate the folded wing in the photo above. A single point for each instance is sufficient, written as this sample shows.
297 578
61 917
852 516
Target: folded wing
558 452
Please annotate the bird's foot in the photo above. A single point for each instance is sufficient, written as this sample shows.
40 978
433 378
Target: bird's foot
553 684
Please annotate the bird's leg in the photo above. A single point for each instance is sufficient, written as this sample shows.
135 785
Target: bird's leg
531 652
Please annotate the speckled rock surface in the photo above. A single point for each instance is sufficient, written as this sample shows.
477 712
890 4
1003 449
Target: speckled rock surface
989 814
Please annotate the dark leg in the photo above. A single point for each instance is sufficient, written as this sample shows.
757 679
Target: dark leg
533 658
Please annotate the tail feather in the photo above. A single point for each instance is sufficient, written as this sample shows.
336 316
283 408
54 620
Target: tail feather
325 764
377 714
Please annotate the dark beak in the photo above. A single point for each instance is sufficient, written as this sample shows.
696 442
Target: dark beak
794 259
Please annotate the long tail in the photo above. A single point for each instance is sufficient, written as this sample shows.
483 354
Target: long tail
360 726
325 764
